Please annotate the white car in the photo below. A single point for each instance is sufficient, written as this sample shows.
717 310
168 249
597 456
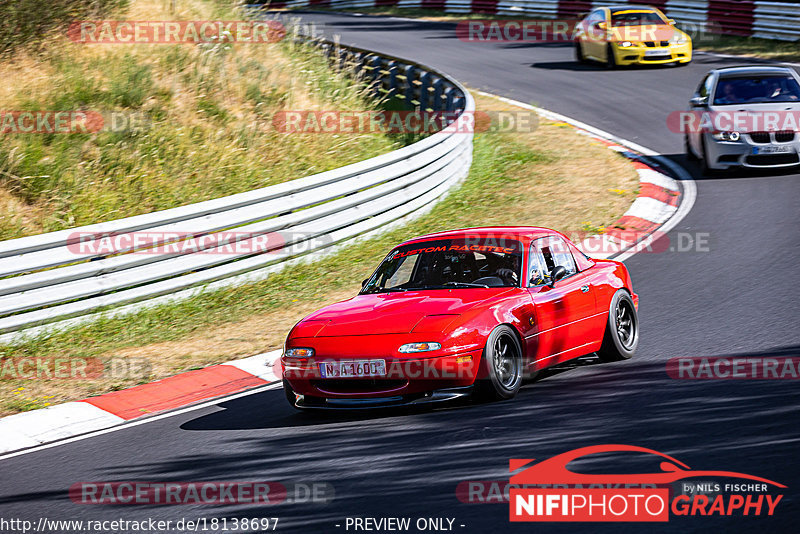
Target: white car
746 117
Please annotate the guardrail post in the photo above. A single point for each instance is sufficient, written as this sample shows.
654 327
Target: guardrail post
438 103
449 96
358 64
376 80
425 91
458 103
391 82
409 72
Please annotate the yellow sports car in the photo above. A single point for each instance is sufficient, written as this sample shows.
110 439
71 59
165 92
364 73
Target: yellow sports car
631 35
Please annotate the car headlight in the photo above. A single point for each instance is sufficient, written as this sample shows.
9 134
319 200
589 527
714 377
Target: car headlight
726 136
626 44
420 347
299 353
678 37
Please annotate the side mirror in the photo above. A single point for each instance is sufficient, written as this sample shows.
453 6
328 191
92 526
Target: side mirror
671 22
601 26
364 282
558 273
698 101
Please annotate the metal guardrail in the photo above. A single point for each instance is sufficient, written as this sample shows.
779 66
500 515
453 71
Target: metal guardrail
50 281
768 20
777 20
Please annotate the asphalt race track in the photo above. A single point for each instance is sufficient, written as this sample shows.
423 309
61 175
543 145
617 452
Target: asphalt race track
737 298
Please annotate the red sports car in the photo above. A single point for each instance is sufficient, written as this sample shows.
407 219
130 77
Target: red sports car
461 312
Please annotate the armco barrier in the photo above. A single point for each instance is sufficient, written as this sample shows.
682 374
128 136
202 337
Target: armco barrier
768 20
776 20
47 281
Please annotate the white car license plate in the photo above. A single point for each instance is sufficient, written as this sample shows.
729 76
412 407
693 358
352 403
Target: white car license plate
352 368
657 52
774 149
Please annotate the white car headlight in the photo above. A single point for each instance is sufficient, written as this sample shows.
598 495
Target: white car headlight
726 136
300 352
425 346
626 44
678 37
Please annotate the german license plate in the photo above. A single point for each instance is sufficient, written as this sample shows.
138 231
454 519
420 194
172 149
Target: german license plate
775 149
656 52
352 368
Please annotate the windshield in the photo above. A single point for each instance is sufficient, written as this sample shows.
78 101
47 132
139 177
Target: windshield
635 18
756 89
447 264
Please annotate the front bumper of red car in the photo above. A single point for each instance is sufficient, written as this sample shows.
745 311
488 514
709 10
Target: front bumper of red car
406 380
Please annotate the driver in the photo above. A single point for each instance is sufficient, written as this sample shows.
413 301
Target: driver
776 90
509 273
729 95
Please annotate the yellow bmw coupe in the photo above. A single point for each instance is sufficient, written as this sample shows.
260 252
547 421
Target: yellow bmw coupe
631 35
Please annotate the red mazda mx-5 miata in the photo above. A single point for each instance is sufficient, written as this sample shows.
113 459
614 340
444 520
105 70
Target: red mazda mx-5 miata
461 312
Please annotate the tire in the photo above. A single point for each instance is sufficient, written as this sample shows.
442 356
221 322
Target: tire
707 171
611 60
622 329
690 155
579 53
501 366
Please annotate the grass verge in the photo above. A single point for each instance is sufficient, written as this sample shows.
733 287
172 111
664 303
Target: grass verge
753 47
26 23
202 125
551 177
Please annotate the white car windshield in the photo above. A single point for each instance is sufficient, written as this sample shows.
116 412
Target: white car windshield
756 90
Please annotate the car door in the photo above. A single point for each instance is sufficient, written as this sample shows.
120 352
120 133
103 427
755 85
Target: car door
565 313
595 41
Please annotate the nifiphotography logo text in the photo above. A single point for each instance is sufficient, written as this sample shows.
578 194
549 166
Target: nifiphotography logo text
549 491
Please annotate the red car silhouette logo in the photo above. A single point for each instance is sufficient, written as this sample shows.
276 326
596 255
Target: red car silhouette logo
554 470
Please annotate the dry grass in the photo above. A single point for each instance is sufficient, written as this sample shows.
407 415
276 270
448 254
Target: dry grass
216 344
209 108
27 24
564 189
753 47
552 177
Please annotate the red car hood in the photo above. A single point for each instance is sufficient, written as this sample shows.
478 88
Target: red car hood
393 313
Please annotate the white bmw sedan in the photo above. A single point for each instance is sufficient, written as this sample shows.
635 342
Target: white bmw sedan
745 117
